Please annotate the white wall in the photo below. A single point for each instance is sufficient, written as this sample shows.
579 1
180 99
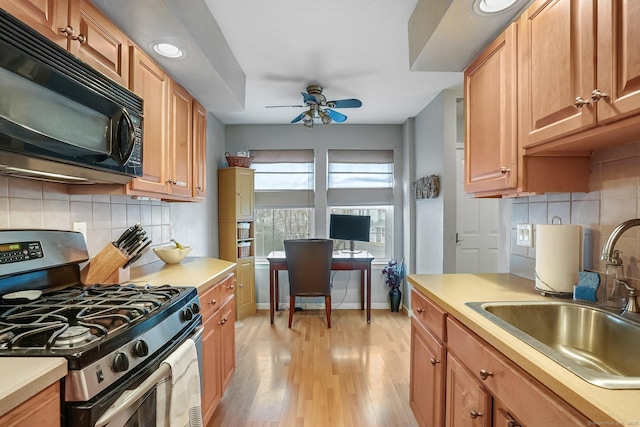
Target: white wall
346 290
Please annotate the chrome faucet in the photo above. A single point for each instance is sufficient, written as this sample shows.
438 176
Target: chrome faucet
612 257
608 248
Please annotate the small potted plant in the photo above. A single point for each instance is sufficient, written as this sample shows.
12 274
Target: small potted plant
394 273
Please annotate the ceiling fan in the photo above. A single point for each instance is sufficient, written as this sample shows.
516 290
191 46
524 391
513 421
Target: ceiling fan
319 108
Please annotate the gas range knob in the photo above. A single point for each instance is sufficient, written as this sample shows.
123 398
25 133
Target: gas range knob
195 308
187 314
120 362
141 348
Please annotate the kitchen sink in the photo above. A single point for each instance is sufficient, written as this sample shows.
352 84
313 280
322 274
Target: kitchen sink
601 347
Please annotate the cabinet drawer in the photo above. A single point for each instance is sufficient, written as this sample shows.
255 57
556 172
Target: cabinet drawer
210 301
429 314
227 287
521 393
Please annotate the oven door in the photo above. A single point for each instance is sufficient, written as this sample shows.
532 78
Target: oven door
134 403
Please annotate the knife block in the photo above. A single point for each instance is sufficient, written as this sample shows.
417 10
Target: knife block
105 268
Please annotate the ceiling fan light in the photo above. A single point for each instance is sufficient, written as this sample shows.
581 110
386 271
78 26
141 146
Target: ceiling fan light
308 124
324 117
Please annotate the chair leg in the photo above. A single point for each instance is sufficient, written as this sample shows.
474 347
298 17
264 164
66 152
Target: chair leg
327 305
292 308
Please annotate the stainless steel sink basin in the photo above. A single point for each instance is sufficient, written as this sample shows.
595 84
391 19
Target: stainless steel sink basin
601 347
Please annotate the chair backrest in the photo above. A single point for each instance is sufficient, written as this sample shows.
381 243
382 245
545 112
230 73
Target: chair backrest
309 266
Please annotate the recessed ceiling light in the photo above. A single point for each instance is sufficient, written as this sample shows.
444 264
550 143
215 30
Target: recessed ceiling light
484 7
168 50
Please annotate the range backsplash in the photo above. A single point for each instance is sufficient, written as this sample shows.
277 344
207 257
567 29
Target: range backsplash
37 204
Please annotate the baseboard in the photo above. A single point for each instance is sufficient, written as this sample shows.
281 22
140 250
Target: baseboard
319 306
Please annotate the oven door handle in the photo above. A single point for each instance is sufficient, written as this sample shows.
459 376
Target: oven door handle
162 371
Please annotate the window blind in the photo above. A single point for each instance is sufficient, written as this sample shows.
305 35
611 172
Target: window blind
283 178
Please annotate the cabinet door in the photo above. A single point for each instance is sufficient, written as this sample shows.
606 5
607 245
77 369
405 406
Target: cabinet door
180 141
42 410
468 404
227 343
244 203
45 16
557 69
211 378
491 148
199 150
245 288
100 43
151 83
427 375
618 59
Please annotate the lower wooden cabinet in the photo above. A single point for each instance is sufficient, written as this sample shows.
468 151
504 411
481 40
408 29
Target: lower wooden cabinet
42 410
480 387
246 288
427 380
468 404
218 343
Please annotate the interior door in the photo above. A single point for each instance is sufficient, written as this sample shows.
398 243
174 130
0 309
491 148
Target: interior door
477 228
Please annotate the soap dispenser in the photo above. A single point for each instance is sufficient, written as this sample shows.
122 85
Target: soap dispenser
614 294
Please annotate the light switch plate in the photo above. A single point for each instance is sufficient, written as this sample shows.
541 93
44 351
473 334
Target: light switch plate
524 235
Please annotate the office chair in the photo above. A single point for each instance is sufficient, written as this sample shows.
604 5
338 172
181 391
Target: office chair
309 265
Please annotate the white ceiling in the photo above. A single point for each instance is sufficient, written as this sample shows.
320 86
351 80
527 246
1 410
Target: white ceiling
243 55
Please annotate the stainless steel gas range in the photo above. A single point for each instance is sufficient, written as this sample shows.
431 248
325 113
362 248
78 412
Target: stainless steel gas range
114 337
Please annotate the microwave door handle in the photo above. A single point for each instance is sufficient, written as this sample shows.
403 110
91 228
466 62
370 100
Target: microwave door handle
162 371
125 120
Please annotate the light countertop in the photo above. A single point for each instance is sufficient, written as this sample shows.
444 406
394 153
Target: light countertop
452 291
24 377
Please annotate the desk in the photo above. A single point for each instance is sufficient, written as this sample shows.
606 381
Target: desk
339 261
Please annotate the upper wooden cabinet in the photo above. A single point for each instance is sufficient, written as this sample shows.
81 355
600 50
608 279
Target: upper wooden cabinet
495 161
97 41
44 16
236 186
180 175
81 28
199 151
151 83
579 90
491 149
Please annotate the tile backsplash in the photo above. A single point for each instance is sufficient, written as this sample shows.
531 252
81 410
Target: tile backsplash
613 197
41 205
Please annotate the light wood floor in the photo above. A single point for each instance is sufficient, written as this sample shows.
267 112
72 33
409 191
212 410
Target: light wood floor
354 374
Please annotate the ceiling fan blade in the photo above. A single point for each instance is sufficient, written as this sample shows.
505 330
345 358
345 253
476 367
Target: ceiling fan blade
281 106
335 116
345 103
309 98
298 118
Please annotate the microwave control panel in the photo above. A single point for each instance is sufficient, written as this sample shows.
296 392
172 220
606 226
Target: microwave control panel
20 251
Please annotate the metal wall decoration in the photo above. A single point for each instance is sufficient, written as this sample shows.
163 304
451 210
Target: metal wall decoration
427 187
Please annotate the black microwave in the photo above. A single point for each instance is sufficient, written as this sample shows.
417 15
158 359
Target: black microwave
61 120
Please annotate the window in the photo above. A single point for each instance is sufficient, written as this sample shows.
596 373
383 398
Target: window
360 182
284 197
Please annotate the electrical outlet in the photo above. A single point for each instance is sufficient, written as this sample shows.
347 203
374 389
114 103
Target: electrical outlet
524 235
82 228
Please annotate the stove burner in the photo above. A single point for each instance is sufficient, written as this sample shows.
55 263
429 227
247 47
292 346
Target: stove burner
72 336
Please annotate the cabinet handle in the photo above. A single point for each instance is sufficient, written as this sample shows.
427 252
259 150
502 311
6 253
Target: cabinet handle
505 170
231 287
199 188
581 102
434 361
475 414
484 374
80 38
171 181
597 95
420 310
212 302
67 31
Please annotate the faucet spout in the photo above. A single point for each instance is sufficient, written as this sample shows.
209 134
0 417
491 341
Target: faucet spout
609 246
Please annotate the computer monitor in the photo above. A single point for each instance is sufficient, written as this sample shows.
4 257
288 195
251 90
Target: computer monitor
350 227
